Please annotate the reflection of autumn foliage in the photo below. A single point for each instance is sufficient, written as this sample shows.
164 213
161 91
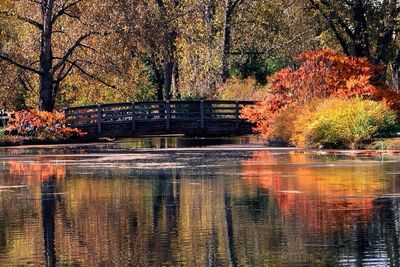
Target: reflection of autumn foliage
36 170
323 197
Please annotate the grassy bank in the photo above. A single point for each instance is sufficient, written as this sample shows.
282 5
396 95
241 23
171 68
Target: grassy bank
17 140
385 144
22 140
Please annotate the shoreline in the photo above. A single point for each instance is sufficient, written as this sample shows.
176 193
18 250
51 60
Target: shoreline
210 148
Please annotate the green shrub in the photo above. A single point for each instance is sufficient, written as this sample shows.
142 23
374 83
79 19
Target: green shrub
343 123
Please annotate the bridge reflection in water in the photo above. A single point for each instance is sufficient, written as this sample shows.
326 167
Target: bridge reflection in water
198 209
207 118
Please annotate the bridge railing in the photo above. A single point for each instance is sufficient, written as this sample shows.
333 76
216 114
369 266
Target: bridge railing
3 118
155 111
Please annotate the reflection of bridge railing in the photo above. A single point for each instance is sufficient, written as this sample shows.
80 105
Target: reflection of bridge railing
156 117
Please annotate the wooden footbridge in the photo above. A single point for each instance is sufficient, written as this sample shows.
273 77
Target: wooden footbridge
196 118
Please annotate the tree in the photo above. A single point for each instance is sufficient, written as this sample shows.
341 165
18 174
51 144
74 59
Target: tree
171 71
51 68
265 42
230 8
10 77
150 33
363 28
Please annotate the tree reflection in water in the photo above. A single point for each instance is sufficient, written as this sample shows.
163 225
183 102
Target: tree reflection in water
48 200
253 209
336 199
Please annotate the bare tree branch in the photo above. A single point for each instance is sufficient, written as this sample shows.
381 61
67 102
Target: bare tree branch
64 8
236 3
36 1
71 49
61 77
7 58
266 52
23 19
92 76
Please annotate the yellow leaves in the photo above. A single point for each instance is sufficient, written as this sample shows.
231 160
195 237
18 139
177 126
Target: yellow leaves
342 122
247 89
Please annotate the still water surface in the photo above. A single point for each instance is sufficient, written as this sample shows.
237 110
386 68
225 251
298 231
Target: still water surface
210 205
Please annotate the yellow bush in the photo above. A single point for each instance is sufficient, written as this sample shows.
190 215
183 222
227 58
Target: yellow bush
342 123
248 89
284 129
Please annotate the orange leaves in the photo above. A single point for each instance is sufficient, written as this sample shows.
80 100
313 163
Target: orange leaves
320 74
41 124
324 73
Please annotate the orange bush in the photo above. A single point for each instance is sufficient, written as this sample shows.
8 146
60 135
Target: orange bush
41 125
319 74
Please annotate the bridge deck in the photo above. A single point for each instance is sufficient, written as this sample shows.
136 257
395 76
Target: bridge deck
160 117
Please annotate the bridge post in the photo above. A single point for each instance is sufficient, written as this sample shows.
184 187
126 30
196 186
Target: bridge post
168 117
133 117
99 119
237 115
202 115
65 111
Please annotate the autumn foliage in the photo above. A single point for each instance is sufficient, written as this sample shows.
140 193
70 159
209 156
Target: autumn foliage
314 196
319 75
41 125
342 123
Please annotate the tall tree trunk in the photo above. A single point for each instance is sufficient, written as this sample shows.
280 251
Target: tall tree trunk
168 72
393 76
158 78
387 32
170 62
160 95
361 45
209 20
169 44
226 41
175 81
46 101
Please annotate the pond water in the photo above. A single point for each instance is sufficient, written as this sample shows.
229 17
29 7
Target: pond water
218 203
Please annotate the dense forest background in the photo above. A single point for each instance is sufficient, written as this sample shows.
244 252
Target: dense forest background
57 53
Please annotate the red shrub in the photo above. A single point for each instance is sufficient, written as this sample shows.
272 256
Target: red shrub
320 74
42 125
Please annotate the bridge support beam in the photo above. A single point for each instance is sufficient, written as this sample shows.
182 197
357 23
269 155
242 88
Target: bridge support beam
202 115
168 117
99 119
237 111
133 117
